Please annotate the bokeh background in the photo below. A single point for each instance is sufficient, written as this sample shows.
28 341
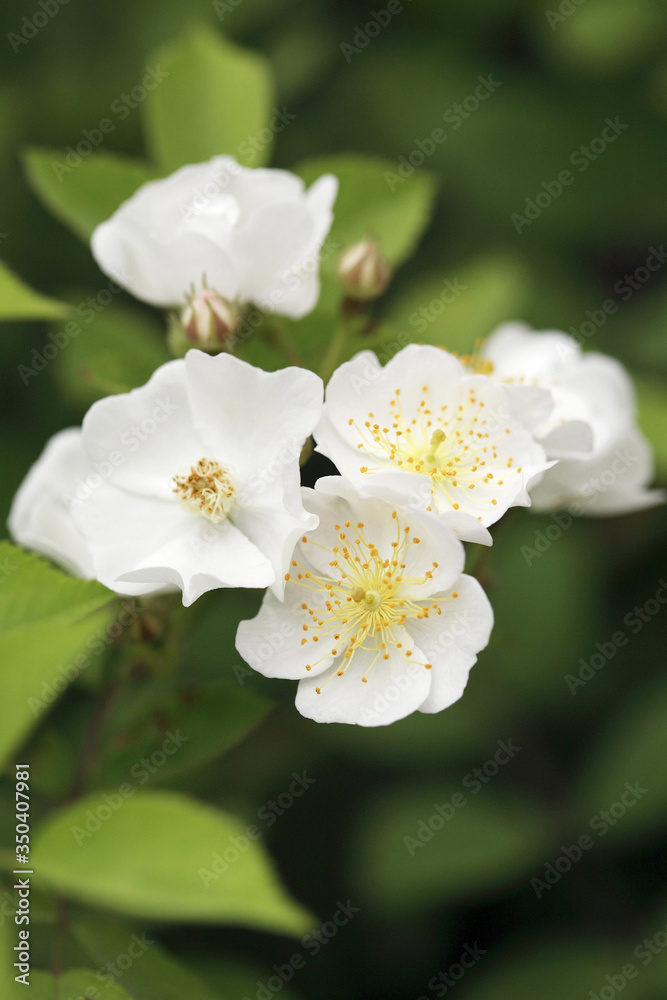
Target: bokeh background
559 71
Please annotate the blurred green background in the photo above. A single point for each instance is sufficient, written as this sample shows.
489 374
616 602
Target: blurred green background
559 72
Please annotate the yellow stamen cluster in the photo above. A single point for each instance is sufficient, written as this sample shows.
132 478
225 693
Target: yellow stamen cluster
453 446
365 602
476 362
207 489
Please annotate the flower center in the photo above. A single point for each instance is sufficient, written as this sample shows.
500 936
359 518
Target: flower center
476 362
207 488
456 447
365 602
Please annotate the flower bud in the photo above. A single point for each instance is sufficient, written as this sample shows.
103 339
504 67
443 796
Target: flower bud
364 271
210 321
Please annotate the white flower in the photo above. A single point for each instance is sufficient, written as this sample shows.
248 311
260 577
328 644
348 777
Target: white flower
252 235
198 476
377 620
40 517
605 462
427 434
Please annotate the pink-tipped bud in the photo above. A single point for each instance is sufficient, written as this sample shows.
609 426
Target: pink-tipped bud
210 321
364 271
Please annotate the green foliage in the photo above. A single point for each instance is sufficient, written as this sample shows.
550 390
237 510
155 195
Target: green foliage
368 207
114 348
87 193
154 975
46 619
567 967
215 98
18 301
556 591
476 846
212 718
653 420
631 749
155 857
455 308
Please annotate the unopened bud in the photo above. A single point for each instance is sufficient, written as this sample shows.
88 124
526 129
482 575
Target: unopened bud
210 321
364 271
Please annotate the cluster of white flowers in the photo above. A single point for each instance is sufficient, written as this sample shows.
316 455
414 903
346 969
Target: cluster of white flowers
191 482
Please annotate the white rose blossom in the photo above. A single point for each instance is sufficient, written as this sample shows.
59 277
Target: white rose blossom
197 482
377 619
250 235
605 463
40 517
425 433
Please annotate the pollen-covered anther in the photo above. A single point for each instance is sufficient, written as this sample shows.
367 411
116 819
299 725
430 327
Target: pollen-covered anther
207 488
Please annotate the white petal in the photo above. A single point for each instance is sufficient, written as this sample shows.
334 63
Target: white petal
335 501
161 273
569 440
40 516
452 640
278 259
139 440
204 558
275 532
394 689
155 543
271 642
249 417
615 482
449 681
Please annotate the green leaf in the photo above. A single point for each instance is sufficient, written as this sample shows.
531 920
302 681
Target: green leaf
473 849
155 857
84 984
155 975
541 570
46 619
18 301
211 720
367 206
454 309
41 986
563 968
84 195
606 36
632 749
652 405
216 98
113 350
